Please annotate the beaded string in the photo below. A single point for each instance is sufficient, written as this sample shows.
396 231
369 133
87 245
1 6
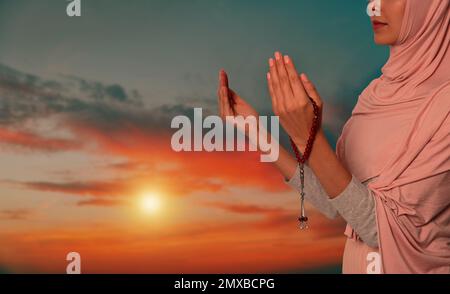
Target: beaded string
303 219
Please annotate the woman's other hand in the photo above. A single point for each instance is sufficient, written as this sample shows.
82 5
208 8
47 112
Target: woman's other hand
230 103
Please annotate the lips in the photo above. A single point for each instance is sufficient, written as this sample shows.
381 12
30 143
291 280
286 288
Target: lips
378 24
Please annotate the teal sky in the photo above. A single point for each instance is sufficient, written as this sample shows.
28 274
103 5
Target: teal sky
170 51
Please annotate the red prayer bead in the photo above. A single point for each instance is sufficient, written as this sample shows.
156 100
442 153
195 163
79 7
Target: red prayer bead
312 134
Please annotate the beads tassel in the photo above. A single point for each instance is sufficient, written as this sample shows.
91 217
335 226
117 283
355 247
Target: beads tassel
303 219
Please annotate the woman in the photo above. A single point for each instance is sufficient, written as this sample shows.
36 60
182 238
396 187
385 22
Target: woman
389 177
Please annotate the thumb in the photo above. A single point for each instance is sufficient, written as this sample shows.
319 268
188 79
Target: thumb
311 90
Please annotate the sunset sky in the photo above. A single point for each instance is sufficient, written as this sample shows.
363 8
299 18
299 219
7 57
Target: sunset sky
85 109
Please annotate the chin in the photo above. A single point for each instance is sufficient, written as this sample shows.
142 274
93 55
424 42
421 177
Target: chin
384 39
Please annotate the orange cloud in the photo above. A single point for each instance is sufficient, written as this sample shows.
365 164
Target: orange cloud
33 141
152 162
211 171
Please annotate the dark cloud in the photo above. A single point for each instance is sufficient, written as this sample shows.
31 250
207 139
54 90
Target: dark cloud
327 269
15 214
4 271
93 188
79 103
93 193
101 92
243 208
100 202
26 96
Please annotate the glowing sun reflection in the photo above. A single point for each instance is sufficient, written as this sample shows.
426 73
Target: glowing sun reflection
150 203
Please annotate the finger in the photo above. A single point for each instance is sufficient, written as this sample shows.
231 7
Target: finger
283 78
295 81
223 90
272 93
276 88
311 90
219 95
227 101
223 78
222 101
234 98
225 83
223 93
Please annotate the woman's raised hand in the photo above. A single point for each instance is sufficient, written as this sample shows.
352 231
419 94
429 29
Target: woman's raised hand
230 103
290 98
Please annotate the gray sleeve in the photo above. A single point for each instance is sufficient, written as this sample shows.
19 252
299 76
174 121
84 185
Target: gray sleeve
357 206
314 192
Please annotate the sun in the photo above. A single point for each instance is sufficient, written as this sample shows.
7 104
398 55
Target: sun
150 203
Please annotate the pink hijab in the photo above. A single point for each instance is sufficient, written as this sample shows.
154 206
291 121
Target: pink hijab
399 134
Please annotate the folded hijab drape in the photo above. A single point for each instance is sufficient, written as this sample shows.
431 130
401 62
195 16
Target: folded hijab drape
399 134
